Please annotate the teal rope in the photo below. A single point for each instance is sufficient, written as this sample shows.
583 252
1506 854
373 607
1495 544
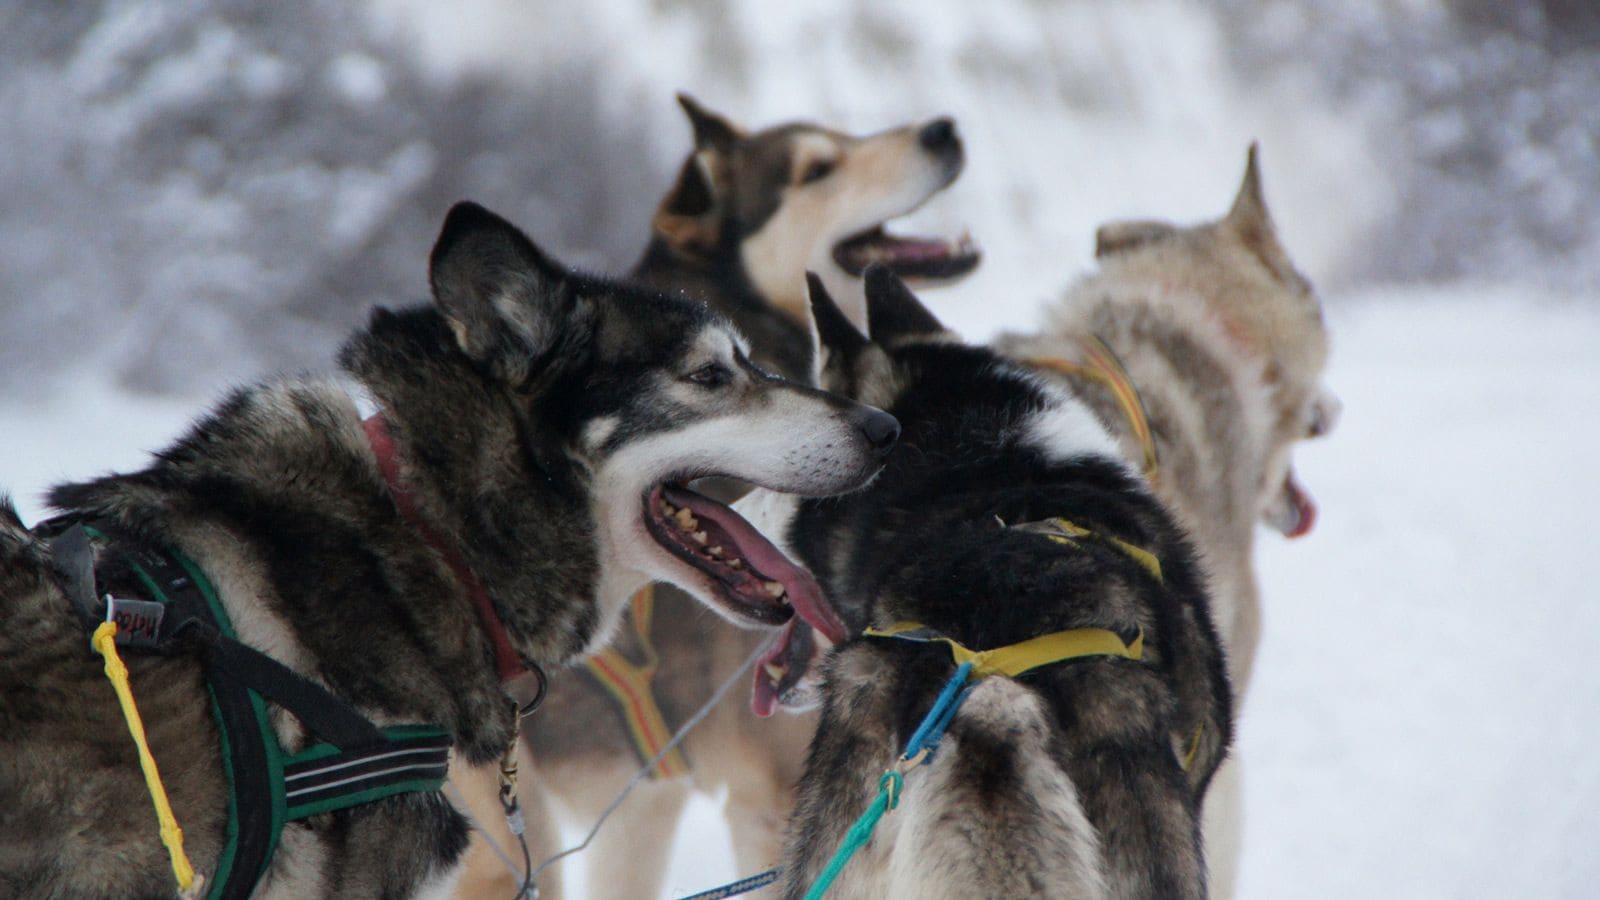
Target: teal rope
919 750
861 832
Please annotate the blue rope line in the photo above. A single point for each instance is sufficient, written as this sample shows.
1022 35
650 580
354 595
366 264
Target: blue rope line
919 750
938 718
742 886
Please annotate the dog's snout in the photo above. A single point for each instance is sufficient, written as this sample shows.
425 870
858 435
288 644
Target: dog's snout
880 429
939 135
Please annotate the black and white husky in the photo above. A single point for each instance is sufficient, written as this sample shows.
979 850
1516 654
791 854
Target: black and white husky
1009 513
535 435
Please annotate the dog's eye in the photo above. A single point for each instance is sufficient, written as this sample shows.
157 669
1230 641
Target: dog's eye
817 171
711 375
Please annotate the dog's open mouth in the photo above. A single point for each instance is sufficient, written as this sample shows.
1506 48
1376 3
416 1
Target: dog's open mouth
780 669
748 575
908 257
1292 511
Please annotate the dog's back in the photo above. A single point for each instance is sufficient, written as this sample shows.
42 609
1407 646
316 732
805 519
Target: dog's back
1019 830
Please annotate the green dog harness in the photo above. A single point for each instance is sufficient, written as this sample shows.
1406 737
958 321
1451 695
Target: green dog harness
354 763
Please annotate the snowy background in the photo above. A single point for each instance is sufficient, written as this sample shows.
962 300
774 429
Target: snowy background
195 194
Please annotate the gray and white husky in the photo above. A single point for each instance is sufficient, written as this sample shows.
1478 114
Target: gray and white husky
1010 514
540 430
750 212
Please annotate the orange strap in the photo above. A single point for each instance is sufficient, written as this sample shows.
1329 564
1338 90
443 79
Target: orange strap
629 687
1100 365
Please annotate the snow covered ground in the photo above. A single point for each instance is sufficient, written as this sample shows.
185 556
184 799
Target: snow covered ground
1423 718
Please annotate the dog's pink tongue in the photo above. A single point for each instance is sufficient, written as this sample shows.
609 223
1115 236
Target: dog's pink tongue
1295 513
764 690
802 590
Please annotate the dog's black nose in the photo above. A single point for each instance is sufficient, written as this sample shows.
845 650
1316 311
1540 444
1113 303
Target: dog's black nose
881 430
940 134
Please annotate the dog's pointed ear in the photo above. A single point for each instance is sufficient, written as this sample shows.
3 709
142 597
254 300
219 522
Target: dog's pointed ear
1249 208
1250 222
893 312
838 344
1120 237
689 218
505 300
711 131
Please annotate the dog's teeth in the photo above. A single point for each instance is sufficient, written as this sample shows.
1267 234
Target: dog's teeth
773 589
775 672
736 563
699 537
716 552
668 508
686 519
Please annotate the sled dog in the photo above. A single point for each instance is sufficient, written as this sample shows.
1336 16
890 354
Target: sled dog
1010 521
749 213
316 599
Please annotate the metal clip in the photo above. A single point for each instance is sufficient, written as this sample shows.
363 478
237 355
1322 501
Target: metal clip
527 690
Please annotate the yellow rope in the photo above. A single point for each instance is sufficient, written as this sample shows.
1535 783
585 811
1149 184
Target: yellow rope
104 643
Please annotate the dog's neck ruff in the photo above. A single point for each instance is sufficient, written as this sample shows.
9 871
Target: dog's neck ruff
1101 366
523 682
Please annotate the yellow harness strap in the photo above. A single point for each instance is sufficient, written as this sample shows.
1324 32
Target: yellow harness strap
1066 532
1014 659
1101 366
1194 747
629 687
104 643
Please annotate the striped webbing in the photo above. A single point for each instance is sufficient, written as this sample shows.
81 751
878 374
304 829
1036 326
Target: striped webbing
629 687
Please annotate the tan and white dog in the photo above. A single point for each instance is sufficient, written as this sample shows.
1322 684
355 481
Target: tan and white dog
1225 344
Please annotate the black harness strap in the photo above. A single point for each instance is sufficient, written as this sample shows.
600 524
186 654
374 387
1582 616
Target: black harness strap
323 714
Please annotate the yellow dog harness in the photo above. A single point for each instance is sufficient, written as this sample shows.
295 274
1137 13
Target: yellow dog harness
1014 659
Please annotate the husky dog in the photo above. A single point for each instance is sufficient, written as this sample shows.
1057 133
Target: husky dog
1009 514
749 214
535 435
1224 341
